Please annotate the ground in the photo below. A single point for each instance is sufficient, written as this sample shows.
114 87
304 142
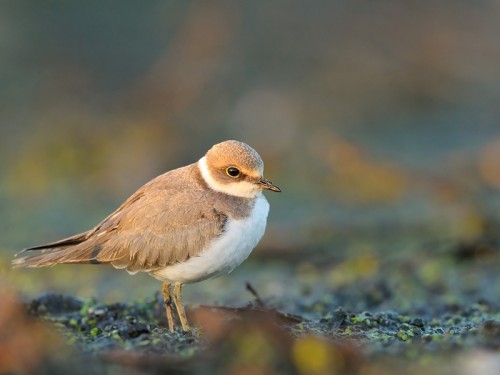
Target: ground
432 308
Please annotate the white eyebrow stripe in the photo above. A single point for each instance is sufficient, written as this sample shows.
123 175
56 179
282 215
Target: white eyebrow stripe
240 188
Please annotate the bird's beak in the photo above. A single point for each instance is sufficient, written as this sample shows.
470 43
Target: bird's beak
268 185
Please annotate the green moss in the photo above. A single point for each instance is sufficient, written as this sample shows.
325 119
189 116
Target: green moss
73 323
402 335
391 314
348 331
95 332
72 340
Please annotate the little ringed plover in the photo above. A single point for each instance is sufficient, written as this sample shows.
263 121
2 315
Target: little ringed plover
186 225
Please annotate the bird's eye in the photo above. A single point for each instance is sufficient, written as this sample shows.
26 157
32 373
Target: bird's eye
232 171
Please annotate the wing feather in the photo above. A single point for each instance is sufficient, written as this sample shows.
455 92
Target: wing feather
157 226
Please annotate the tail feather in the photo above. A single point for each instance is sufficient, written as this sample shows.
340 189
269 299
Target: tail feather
74 249
65 242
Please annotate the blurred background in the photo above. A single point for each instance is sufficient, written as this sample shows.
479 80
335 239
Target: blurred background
379 121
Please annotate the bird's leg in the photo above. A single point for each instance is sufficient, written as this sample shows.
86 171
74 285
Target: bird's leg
180 307
168 305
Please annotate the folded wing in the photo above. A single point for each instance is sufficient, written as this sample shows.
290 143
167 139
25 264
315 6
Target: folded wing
157 226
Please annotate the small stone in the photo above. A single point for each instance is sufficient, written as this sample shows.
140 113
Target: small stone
417 322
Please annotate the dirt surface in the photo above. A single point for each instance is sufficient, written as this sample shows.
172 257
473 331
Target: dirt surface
432 310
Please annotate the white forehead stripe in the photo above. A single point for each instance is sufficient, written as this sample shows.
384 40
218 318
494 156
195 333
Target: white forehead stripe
239 189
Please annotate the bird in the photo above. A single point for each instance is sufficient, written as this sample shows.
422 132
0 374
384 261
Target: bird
187 225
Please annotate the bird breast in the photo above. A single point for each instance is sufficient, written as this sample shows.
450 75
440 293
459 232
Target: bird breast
225 252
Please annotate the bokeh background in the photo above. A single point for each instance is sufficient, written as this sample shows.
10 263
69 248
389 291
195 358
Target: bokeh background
379 120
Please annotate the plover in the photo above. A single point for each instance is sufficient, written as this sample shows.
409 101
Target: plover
186 225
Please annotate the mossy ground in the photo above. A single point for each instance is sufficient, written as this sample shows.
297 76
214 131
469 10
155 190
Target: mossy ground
94 327
434 309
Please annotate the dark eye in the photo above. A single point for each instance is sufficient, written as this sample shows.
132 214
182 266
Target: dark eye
232 171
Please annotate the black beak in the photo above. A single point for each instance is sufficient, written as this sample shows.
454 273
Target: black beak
268 185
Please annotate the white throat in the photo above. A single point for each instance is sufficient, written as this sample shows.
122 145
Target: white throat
242 189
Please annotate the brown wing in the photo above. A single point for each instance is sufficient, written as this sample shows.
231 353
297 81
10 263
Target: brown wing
157 226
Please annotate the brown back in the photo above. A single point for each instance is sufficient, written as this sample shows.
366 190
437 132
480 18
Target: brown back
168 220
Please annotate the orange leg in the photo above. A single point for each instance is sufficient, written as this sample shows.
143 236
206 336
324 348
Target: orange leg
180 307
168 305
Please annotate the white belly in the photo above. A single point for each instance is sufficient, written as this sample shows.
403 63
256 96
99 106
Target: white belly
223 254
